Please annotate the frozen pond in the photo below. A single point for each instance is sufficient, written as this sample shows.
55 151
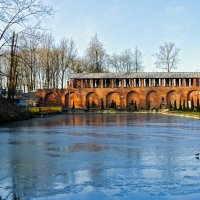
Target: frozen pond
100 157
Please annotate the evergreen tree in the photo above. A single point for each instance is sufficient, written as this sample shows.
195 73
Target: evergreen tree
169 105
132 104
148 105
198 108
113 104
102 104
88 104
187 106
180 105
184 108
73 106
175 107
93 105
192 104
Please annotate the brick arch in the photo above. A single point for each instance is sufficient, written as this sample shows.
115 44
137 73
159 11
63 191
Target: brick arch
153 99
92 100
51 99
113 97
41 93
193 94
172 96
71 98
132 97
190 94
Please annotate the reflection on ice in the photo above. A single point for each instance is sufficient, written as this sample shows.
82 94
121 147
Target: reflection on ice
100 157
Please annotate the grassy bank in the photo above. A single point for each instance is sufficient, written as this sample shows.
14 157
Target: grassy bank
187 114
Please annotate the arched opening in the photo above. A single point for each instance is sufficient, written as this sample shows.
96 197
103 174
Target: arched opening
92 100
132 100
153 100
113 100
71 100
51 99
193 98
174 99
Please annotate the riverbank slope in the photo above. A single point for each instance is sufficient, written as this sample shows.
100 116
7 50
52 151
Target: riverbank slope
186 114
10 112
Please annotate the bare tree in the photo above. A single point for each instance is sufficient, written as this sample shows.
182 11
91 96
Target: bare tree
115 62
168 57
127 61
78 66
45 59
29 60
96 56
68 54
137 60
122 62
20 15
55 68
13 73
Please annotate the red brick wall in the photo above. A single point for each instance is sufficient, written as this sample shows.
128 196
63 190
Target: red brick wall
122 96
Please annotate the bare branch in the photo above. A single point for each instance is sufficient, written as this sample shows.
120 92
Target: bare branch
167 59
96 56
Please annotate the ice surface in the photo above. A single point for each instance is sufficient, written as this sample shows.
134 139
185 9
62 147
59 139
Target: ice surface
122 156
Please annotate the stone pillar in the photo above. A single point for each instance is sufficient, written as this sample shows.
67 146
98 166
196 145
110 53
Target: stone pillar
139 82
134 82
101 83
149 82
163 82
189 82
112 83
82 86
194 82
154 82
174 82
123 83
170 82
91 83
160 83
144 82
183 82
179 82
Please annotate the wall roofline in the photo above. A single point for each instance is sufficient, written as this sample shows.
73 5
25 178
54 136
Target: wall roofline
135 75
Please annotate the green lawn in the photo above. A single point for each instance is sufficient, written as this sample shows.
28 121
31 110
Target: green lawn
185 112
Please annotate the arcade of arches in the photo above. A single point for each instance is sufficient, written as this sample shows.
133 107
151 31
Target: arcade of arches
118 98
125 90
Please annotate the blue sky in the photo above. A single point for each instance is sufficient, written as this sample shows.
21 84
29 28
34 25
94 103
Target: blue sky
122 24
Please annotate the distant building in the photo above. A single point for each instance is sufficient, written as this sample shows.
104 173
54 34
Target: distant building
125 90
26 99
2 92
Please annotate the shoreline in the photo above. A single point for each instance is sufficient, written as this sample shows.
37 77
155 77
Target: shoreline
191 116
170 113
10 112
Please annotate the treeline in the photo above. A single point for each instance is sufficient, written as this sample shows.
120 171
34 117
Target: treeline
30 59
193 105
37 62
